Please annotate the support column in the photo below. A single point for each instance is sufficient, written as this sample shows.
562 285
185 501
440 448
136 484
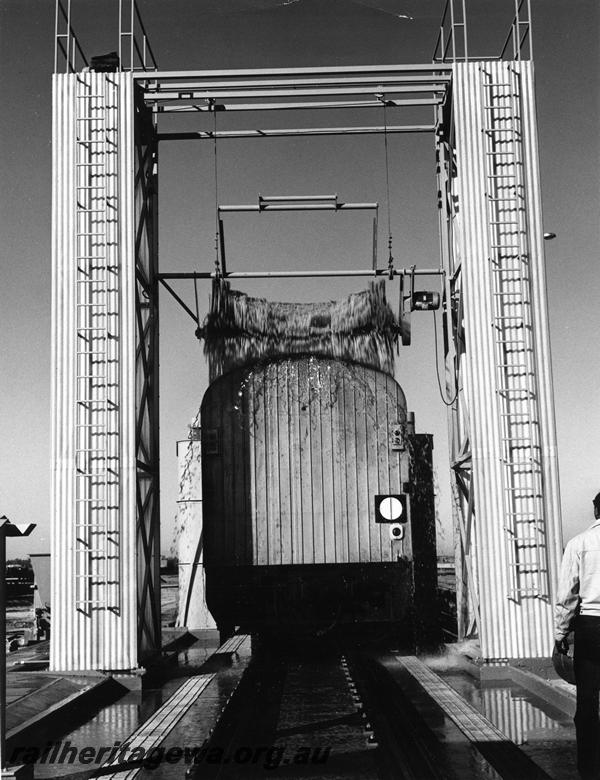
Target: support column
104 348
505 371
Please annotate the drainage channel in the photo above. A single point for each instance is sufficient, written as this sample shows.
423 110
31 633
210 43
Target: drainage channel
541 730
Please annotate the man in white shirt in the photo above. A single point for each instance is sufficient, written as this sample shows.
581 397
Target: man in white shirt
578 608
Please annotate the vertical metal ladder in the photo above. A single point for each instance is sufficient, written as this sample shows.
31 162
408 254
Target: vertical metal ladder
97 344
510 268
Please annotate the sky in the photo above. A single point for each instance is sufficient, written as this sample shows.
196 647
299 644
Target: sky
219 34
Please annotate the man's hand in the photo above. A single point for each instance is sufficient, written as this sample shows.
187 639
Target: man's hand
562 646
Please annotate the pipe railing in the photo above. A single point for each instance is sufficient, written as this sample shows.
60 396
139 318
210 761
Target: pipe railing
447 38
66 42
519 33
129 42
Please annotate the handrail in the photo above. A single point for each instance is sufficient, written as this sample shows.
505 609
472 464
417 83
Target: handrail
73 47
514 33
448 39
142 53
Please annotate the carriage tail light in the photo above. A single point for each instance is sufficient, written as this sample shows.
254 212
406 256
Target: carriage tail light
396 531
391 508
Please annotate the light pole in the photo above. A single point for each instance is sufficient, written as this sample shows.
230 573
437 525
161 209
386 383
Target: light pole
6 529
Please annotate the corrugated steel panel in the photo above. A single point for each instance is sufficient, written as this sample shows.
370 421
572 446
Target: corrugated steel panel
542 332
509 627
303 448
192 612
93 638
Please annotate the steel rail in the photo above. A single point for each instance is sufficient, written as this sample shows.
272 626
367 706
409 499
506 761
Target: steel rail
194 135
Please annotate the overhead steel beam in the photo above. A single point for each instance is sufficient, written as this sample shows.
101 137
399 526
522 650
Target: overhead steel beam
375 80
301 274
296 106
238 94
195 135
165 75
297 207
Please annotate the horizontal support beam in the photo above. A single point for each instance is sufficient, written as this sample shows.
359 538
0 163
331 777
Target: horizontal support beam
301 131
160 96
376 80
302 274
298 106
297 207
165 75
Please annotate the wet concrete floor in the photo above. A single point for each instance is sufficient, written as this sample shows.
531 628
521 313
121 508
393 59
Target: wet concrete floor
542 731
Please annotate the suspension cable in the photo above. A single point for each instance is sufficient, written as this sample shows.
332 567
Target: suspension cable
381 96
216 171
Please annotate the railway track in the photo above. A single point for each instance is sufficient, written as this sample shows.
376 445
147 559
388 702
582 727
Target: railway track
324 710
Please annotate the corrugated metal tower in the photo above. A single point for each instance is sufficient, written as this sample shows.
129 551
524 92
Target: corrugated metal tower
502 429
105 535
105 511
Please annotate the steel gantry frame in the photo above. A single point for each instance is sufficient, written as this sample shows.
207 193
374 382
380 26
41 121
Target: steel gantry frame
502 441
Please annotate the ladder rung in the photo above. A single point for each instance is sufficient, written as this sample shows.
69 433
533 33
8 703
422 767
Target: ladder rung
87 474
91 551
93 602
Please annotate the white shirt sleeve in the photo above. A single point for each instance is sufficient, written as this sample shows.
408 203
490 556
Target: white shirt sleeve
567 596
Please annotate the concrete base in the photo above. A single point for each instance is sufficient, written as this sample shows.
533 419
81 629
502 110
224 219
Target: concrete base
131 679
128 678
546 689
23 772
205 637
